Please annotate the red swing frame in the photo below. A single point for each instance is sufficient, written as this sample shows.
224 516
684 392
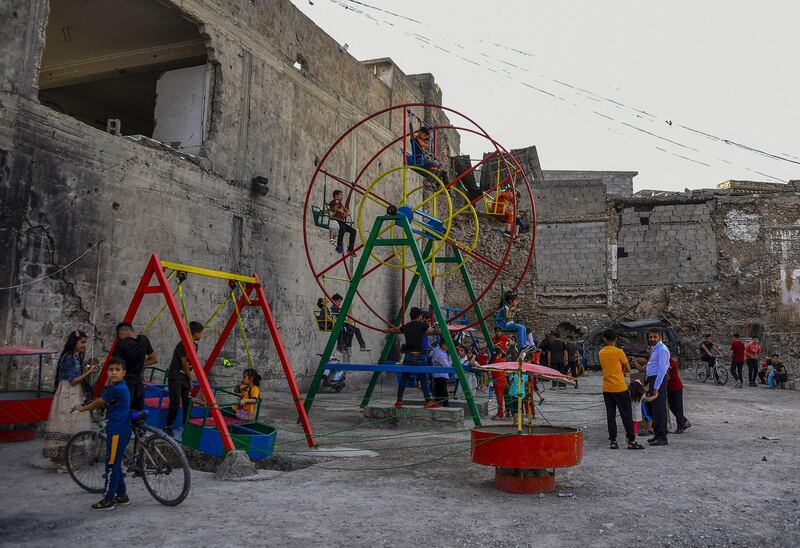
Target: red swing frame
252 295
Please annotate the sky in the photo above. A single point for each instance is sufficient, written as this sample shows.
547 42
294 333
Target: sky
688 93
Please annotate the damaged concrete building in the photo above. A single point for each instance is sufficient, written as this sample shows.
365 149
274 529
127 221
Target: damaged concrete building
719 261
186 128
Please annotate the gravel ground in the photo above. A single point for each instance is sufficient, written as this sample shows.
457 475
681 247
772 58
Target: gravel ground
719 484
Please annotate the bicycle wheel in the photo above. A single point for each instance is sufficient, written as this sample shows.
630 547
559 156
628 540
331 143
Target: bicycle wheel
86 460
721 375
164 467
701 372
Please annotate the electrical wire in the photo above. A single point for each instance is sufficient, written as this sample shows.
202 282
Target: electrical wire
356 7
62 269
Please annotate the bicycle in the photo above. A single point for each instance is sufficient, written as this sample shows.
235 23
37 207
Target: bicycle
151 455
704 369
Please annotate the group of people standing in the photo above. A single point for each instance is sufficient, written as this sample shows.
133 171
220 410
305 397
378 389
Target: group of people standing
771 372
662 389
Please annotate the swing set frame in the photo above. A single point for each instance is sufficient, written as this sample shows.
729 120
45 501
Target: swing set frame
252 295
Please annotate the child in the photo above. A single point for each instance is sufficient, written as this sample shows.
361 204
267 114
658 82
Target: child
505 320
179 379
250 393
779 376
441 358
71 389
499 383
637 392
117 399
517 391
467 359
339 214
349 329
675 397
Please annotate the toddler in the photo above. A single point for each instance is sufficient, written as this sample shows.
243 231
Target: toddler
249 393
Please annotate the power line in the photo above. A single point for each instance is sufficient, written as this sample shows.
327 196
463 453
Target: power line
62 269
579 91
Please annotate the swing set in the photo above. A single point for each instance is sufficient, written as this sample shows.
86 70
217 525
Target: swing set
250 292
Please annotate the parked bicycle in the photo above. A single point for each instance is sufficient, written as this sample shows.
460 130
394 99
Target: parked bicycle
151 455
705 370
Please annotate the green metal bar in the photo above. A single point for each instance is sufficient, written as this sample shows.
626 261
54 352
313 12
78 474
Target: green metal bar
412 287
340 318
437 311
473 297
390 242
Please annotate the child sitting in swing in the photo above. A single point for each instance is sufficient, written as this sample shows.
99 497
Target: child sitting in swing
505 320
249 393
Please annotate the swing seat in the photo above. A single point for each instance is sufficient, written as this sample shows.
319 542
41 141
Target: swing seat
324 325
493 207
322 218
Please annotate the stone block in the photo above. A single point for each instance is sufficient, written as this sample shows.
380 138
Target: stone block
386 415
482 405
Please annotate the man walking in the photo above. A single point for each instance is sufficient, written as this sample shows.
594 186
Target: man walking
657 368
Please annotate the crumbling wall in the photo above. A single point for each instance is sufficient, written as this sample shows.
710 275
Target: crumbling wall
666 244
64 186
617 183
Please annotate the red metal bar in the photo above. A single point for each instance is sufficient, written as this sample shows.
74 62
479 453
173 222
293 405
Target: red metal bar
223 337
355 186
194 360
152 265
287 367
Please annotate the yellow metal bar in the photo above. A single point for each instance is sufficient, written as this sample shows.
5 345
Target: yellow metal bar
324 277
244 293
208 272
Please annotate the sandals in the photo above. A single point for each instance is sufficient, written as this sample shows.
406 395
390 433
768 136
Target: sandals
635 445
613 445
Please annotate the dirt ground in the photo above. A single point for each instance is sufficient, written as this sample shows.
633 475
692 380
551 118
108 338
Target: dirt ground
719 484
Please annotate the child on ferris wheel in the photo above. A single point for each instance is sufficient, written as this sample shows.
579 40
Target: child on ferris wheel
505 320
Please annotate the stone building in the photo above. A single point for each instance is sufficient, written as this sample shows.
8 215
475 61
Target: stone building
186 128
720 261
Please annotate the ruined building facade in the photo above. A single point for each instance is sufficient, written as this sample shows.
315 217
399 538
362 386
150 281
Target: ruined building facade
186 128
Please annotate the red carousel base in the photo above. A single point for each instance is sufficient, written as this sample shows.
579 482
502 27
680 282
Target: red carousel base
523 461
521 480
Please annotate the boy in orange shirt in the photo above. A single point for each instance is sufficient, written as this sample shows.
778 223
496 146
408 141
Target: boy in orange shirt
614 364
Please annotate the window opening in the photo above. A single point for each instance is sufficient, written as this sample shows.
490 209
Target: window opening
134 67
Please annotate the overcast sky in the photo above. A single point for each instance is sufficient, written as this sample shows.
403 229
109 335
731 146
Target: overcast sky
585 80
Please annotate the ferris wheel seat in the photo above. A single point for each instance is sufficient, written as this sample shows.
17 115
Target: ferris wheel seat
322 218
433 228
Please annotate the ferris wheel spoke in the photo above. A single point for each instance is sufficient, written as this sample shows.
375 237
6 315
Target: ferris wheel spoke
475 255
359 189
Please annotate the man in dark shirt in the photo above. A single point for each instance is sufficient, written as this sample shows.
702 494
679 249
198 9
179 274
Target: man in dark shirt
179 379
572 358
557 357
137 353
414 333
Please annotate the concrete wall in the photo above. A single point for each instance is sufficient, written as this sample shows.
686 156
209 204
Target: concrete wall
571 236
666 245
618 183
65 185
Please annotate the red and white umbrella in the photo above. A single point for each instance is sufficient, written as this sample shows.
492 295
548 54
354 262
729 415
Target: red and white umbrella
540 371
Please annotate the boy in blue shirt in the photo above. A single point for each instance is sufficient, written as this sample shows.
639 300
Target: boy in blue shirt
117 399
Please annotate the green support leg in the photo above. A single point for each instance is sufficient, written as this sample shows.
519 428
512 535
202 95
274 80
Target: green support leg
340 318
473 297
440 320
